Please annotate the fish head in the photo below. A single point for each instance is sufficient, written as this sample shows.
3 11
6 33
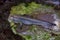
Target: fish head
57 27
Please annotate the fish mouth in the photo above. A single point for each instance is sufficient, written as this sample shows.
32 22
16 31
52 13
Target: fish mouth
55 28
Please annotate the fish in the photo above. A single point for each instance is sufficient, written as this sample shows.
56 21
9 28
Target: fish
30 21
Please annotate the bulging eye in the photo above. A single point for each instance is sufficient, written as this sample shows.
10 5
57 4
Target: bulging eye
54 24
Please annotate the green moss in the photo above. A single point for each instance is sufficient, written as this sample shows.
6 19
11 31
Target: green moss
21 9
36 34
57 37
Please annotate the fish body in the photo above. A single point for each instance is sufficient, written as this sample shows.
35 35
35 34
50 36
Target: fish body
29 21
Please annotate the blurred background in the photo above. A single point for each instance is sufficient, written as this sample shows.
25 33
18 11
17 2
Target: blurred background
35 9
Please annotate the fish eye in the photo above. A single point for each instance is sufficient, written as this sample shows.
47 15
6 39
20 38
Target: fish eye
53 24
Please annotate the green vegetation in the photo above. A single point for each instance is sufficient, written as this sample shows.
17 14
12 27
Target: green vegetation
34 33
21 9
